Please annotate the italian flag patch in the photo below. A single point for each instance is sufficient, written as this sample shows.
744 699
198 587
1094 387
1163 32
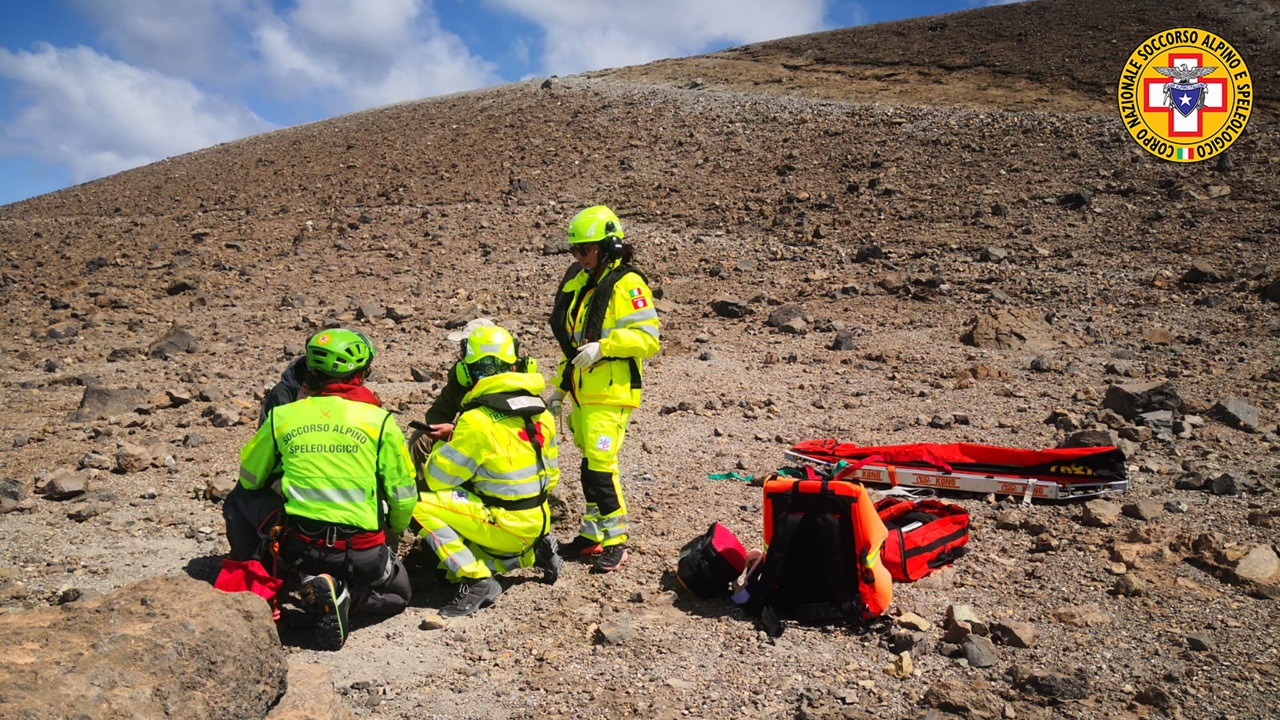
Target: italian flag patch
637 299
1186 153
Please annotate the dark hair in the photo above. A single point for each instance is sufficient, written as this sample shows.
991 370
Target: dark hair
314 381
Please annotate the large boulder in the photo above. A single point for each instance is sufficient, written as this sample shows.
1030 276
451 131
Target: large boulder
1016 330
1132 400
161 647
100 402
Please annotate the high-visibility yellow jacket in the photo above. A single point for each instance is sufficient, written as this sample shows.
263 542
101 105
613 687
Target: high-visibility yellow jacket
490 452
335 454
629 333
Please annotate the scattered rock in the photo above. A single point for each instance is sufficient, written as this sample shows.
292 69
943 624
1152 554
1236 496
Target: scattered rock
219 486
901 667
63 484
729 307
310 695
979 651
1053 684
615 632
785 314
432 621
1014 633
1132 400
1144 510
1201 272
1259 565
844 341
177 340
1237 413
12 492
1100 513
1082 616
1129 585
132 458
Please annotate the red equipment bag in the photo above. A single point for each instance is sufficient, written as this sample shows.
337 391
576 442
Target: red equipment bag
711 562
924 535
250 576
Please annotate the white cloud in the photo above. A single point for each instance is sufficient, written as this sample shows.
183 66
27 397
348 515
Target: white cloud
591 34
200 39
98 116
355 54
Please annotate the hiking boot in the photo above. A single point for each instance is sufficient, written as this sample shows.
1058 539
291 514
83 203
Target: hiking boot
323 596
580 547
546 557
611 558
473 594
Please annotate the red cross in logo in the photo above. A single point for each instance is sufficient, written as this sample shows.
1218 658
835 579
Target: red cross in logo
1188 126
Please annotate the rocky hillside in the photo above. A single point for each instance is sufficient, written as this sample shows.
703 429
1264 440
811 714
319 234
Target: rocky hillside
927 231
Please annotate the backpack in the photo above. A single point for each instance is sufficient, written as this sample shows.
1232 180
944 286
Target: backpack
924 535
710 562
822 555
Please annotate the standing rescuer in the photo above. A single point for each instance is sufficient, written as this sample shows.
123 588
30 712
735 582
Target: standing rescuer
606 324
341 457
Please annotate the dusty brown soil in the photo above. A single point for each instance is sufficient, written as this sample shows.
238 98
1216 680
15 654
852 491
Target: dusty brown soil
759 174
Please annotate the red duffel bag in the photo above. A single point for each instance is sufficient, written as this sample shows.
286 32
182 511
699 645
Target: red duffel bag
924 535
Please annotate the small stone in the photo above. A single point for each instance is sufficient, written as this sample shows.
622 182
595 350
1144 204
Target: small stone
1100 513
432 621
63 484
1259 565
912 621
1144 510
132 458
1014 633
1237 413
1198 642
901 667
613 632
979 651
1224 484
1130 586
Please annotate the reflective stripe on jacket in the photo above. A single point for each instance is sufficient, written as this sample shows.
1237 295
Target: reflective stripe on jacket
490 452
333 452
630 333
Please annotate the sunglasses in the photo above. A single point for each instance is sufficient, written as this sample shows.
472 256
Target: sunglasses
581 249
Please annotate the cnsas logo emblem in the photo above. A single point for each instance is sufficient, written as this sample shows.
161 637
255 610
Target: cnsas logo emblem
1185 95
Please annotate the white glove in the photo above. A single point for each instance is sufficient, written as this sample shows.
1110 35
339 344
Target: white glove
588 355
556 402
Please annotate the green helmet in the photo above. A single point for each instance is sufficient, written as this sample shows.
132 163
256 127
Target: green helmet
594 225
488 350
339 352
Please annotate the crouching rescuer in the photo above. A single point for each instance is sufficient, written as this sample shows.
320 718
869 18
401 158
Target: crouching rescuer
485 510
341 457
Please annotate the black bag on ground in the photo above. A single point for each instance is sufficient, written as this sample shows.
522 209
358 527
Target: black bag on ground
711 561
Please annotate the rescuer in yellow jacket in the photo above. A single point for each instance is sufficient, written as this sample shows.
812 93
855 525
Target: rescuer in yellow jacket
342 456
485 510
606 325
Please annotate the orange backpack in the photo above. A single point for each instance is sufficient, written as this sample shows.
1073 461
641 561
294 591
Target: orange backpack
822 557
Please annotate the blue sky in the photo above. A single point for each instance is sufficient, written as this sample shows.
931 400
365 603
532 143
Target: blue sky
89 88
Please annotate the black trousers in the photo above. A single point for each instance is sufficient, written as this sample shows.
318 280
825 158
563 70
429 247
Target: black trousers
378 581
